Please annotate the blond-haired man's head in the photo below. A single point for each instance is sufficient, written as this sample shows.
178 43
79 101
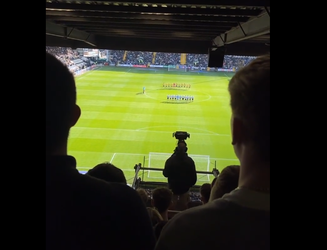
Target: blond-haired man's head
226 182
143 194
250 103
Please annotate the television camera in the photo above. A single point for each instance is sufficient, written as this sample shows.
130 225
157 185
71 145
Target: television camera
181 135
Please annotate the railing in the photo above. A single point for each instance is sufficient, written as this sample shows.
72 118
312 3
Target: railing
138 168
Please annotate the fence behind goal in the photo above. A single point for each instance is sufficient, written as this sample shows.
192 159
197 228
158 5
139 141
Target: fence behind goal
157 160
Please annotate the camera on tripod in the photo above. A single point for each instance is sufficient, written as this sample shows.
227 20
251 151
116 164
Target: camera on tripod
181 135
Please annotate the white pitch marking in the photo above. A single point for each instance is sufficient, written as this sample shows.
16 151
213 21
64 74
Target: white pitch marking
112 157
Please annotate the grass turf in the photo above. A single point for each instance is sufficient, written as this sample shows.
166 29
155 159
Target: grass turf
121 125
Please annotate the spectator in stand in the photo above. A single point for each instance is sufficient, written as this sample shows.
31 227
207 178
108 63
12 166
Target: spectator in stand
69 57
198 61
162 201
180 170
213 182
192 204
116 56
139 57
83 212
241 219
144 195
158 228
236 62
108 172
167 58
226 182
181 173
205 191
154 215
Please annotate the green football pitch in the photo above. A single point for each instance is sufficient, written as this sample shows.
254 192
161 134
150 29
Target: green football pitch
121 125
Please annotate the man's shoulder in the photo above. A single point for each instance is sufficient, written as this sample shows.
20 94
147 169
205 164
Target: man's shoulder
219 209
86 192
205 210
90 208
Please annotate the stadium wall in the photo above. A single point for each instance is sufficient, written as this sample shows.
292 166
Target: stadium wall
82 71
176 67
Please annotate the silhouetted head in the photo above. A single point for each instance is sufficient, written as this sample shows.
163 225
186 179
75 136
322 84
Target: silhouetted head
61 110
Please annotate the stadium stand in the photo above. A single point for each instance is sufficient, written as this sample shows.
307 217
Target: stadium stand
138 58
76 61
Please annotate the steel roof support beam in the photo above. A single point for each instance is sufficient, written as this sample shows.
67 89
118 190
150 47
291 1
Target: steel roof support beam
133 18
52 14
192 2
160 10
254 27
53 29
150 25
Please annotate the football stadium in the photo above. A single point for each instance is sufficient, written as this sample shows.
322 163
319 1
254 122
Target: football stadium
142 100
131 106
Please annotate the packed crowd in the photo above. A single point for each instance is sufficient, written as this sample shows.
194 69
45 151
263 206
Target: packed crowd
99 211
64 54
193 195
138 58
236 62
67 56
116 56
71 58
167 58
197 60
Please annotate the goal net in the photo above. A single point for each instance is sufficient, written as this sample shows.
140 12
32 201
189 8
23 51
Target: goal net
157 160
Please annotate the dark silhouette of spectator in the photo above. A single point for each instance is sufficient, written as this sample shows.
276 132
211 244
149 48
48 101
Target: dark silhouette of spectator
83 212
213 182
108 172
240 219
205 191
180 201
158 228
180 170
192 204
154 215
144 195
162 201
226 182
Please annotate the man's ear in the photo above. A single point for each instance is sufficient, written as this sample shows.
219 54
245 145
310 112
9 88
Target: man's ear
76 115
238 131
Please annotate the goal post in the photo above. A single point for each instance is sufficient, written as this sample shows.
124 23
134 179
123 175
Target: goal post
202 163
157 160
